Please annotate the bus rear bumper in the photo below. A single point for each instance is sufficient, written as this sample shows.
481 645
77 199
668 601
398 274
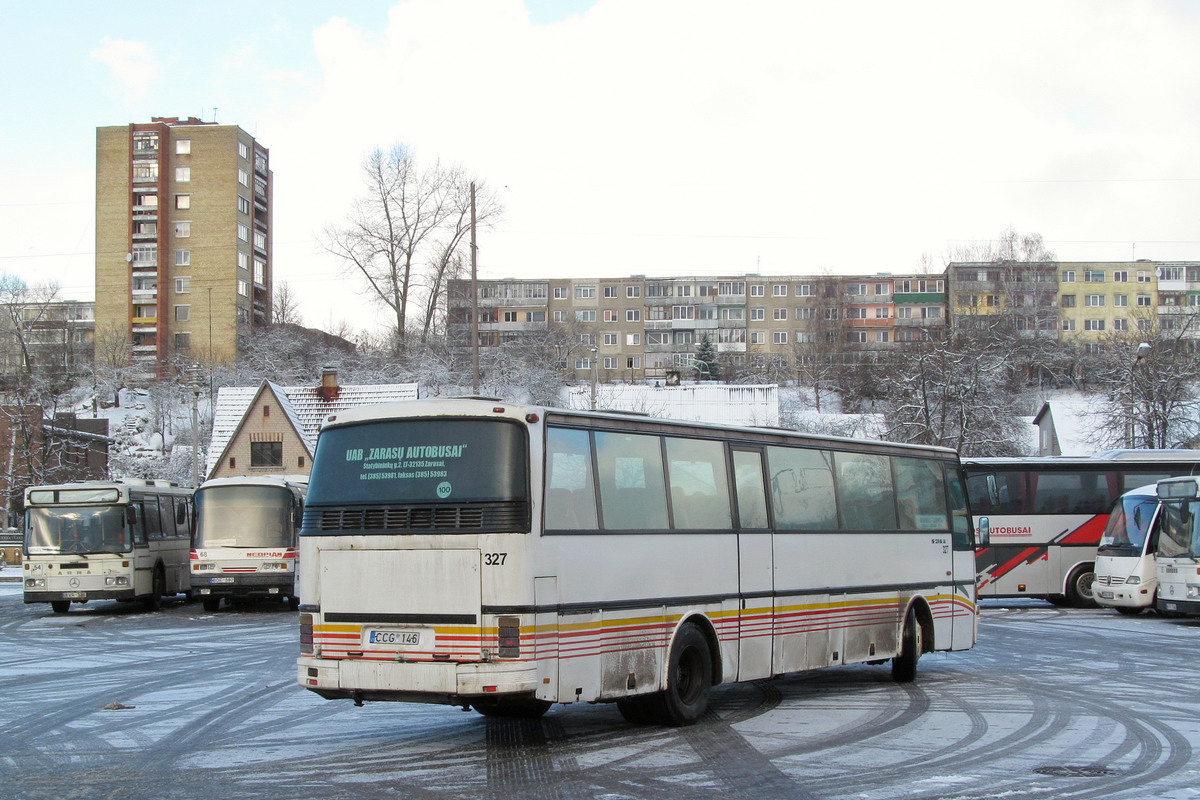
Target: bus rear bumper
1189 608
1133 597
413 682
244 586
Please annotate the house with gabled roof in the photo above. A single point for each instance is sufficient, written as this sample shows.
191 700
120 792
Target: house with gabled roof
272 430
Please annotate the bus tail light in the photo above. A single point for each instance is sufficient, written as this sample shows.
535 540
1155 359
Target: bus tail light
290 553
510 637
306 634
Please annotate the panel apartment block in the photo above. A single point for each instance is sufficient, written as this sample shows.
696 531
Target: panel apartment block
183 241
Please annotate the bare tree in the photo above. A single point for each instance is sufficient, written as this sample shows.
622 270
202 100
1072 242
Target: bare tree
25 309
285 306
405 232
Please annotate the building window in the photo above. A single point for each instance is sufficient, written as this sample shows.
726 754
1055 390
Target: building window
1120 276
1068 276
183 313
633 315
585 292
610 291
587 338
779 290
183 201
1093 276
560 293
260 272
300 462
1143 301
183 230
183 285
758 337
244 178
243 205
560 316
634 339
266 454
856 337
1068 325
803 290
1143 276
633 291
266 411
779 313
1068 301
779 337
757 290
881 312
610 362
243 260
1120 324
1093 301
232 463
1093 324
610 316
243 150
243 233
633 362
758 314
260 240
585 316
243 288
183 174
610 339
1121 300
583 363
183 258
881 337
183 341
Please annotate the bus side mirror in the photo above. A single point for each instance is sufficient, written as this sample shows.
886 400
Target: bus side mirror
985 532
131 516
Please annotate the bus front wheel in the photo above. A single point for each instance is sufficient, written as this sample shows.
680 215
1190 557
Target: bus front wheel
60 606
1079 587
158 587
211 604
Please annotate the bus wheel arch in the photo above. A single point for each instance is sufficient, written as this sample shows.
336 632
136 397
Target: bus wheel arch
690 674
1080 582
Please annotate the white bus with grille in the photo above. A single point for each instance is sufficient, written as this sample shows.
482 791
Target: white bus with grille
503 557
106 540
1179 547
245 545
1126 577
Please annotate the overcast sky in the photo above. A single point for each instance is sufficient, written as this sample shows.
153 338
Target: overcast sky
636 136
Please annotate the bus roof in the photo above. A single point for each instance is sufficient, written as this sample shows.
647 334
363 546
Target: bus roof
257 480
476 407
1106 457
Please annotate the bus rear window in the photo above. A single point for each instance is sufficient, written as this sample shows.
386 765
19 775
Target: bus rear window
420 461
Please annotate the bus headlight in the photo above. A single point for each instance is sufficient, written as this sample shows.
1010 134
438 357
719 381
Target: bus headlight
1133 580
1193 591
116 580
35 583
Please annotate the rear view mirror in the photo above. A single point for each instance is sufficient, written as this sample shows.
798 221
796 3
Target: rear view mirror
984 532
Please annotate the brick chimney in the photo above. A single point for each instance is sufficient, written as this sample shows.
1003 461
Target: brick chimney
329 384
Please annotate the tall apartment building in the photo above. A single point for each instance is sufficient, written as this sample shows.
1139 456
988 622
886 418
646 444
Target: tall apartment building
183 241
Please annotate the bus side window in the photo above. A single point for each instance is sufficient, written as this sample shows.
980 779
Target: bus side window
751 494
632 486
570 491
960 515
134 518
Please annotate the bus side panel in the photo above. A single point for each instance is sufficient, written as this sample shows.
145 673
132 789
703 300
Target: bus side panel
546 640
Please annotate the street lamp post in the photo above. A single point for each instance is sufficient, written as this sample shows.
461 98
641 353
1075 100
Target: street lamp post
595 377
1143 350
195 370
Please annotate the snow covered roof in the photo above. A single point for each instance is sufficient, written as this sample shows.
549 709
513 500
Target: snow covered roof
723 404
305 406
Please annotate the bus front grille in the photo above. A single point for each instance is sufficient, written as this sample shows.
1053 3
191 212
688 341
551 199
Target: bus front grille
475 517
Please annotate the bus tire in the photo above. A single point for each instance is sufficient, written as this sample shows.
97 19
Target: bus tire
1079 587
293 603
638 710
1128 611
211 604
912 640
158 587
60 606
689 680
511 707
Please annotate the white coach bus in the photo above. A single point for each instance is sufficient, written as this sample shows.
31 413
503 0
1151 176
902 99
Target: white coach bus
1047 515
1126 578
106 540
504 557
245 544
1179 547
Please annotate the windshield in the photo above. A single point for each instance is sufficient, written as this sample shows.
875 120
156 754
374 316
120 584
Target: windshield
244 516
80 529
1179 529
1128 524
420 461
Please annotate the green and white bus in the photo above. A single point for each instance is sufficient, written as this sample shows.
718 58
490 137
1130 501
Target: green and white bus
107 540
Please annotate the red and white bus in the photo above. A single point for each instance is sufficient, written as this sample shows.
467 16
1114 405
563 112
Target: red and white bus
245 545
106 540
1047 515
504 557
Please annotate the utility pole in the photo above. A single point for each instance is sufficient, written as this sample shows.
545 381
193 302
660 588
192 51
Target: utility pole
474 302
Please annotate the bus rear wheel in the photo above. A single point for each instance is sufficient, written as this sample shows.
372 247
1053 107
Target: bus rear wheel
60 606
689 680
512 707
211 604
912 641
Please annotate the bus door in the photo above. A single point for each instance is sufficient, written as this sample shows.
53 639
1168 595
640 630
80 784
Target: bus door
755 566
965 617
143 559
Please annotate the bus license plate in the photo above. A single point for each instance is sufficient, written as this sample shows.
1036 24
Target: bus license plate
406 638
222 580
1107 595
72 595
